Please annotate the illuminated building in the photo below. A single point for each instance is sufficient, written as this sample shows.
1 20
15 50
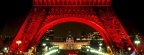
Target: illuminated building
70 44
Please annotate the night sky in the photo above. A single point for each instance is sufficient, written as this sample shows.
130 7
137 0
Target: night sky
15 11
76 29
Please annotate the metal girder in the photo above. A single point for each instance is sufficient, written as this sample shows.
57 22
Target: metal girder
71 2
102 18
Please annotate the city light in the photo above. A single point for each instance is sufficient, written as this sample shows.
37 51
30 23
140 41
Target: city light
108 47
52 51
100 44
19 42
44 44
137 42
95 51
47 38
5 49
129 48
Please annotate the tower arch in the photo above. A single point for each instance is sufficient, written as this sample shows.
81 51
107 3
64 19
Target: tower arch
95 13
72 19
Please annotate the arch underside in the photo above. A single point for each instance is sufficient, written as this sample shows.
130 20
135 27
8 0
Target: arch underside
101 19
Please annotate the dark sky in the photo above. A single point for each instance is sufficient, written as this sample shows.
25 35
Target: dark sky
76 29
13 13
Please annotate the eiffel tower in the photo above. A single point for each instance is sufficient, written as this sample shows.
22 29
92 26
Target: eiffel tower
95 13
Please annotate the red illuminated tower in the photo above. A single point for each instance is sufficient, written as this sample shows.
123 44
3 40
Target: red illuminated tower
95 13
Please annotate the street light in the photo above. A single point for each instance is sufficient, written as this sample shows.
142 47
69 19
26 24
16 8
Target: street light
44 44
100 44
18 42
100 47
137 43
5 49
129 50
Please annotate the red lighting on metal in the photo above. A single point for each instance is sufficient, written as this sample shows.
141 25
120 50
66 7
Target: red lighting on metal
71 2
97 14
72 54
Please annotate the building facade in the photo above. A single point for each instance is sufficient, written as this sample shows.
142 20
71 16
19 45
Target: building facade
70 44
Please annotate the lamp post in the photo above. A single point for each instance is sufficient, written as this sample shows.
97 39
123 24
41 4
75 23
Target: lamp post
137 43
18 42
100 47
129 50
5 50
44 45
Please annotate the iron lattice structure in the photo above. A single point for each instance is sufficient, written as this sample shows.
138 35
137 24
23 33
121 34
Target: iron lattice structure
95 13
